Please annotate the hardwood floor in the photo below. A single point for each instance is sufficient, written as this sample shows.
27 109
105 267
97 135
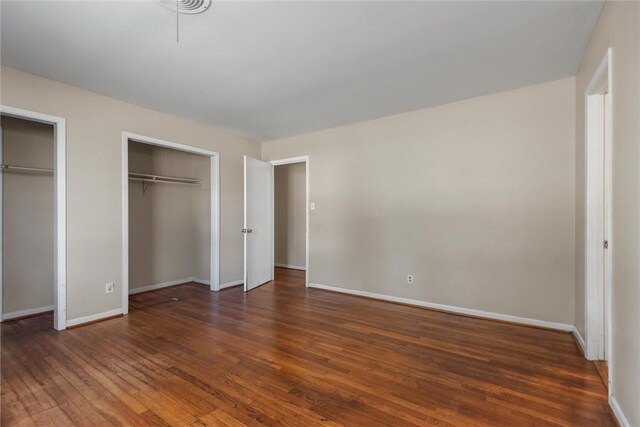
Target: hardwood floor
602 367
286 355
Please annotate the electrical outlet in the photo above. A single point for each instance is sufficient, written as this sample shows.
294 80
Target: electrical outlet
410 279
312 206
109 287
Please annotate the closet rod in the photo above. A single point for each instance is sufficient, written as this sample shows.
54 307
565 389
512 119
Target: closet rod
172 179
25 169
162 181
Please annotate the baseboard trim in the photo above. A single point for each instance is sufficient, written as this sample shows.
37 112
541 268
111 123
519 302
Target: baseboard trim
451 309
292 267
138 290
199 281
231 284
617 412
579 340
28 312
78 321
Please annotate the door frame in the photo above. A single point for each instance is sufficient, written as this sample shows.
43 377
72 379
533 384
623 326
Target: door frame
214 261
288 161
598 197
60 210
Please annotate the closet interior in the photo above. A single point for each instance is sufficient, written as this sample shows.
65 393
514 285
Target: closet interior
28 202
169 217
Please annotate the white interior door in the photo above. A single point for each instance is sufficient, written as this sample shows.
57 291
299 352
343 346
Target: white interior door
607 203
258 223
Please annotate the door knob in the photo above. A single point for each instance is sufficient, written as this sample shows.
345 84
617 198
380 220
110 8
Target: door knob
247 230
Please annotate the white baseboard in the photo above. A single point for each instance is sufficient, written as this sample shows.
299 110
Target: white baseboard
205 282
293 267
133 291
26 312
617 412
231 284
613 403
450 308
580 340
92 318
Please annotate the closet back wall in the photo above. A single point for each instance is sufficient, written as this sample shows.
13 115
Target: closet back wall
94 181
27 217
167 221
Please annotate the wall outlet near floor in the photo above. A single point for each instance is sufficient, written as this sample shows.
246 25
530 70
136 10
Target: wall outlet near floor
410 279
109 287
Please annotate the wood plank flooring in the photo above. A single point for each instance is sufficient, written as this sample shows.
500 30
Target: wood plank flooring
286 355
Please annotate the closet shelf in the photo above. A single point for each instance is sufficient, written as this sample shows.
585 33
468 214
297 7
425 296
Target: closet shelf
148 179
11 168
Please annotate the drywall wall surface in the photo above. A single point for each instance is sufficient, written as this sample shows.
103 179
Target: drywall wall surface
475 199
618 28
94 180
290 215
28 201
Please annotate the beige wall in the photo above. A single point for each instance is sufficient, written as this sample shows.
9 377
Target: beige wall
474 198
618 28
27 245
168 224
94 167
290 216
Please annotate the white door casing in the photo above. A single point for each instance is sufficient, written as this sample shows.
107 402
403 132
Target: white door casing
599 246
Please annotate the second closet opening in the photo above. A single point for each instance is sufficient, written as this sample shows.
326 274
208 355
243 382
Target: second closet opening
169 212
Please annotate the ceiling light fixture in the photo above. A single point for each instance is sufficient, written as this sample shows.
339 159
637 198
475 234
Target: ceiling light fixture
187 6
190 7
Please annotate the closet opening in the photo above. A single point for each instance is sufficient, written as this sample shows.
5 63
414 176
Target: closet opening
170 216
290 204
32 223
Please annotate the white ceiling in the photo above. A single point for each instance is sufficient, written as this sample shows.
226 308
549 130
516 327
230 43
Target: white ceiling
273 69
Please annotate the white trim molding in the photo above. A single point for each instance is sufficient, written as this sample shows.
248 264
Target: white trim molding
565 327
26 312
93 317
60 209
290 160
214 262
292 267
617 412
140 289
579 339
231 284
597 212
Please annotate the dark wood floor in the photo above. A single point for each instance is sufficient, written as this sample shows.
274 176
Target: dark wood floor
285 355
